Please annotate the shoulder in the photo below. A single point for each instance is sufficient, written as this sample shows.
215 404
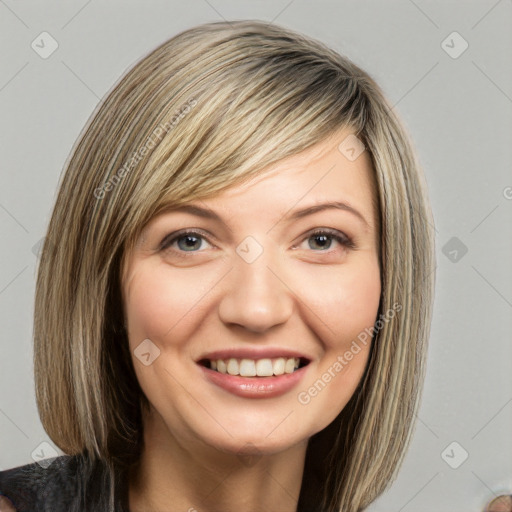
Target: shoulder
40 487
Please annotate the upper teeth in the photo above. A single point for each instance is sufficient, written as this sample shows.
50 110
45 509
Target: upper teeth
258 367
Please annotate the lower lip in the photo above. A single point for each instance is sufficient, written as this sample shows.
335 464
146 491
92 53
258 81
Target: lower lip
255 387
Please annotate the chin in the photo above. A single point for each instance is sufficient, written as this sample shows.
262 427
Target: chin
257 443
258 432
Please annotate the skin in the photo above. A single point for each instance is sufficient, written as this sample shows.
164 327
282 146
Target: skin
6 505
303 292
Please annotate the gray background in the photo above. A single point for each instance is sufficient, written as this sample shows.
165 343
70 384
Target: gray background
458 111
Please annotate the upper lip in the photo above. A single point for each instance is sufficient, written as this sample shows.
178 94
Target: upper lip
253 353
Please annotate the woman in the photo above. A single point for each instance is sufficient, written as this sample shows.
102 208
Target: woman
234 295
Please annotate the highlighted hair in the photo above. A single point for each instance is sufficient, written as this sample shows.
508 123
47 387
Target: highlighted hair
206 110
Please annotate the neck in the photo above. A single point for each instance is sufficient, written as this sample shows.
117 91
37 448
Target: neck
195 477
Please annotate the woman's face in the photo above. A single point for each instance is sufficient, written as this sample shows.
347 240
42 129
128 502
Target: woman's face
259 280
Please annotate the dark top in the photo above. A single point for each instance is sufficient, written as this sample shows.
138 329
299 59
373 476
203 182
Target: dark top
65 485
68 484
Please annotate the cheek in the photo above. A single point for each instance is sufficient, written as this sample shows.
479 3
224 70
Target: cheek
347 306
144 307
359 303
345 303
158 303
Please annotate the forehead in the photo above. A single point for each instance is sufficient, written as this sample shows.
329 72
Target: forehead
321 173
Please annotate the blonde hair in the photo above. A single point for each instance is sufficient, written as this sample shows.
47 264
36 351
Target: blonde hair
208 109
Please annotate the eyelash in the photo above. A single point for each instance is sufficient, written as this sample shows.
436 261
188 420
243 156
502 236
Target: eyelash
166 243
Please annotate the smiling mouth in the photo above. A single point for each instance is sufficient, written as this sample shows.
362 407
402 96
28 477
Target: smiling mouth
267 367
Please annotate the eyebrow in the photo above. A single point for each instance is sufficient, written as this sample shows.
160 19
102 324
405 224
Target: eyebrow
297 214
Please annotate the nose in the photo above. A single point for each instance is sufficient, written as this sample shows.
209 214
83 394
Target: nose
258 294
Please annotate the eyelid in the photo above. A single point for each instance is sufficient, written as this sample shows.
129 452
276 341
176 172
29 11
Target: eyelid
336 234
171 237
339 236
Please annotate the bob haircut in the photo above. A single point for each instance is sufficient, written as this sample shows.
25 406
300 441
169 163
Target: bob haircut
206 110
